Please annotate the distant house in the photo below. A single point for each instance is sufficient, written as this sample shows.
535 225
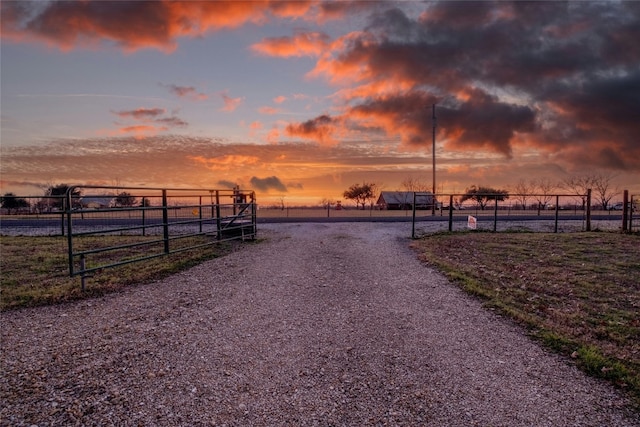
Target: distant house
97 202
401 200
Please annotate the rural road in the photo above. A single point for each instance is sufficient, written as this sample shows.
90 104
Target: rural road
316 325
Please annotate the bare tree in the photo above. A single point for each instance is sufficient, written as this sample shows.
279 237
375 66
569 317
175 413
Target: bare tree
54 196
602 184
523 192
410 183
543 188
578 185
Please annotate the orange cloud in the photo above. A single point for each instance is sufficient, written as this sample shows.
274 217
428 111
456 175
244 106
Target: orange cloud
279 99
321 129
227 162
140 24
141 131
292 9
301 44
354 68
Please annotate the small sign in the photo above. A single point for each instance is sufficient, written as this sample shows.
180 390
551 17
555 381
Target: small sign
195 212
471 222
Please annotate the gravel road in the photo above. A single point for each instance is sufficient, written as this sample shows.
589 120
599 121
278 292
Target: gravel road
317 325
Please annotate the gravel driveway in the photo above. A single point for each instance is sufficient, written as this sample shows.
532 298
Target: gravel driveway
320 324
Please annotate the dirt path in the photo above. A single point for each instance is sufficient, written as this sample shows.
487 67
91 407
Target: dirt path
321 324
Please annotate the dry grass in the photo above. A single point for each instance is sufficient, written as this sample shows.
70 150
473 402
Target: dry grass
578 293
34 270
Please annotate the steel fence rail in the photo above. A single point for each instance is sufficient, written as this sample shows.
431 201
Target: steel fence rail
163 220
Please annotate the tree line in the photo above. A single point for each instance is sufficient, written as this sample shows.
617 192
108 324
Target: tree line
53 199
536 192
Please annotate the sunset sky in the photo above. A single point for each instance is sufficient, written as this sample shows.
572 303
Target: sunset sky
303 99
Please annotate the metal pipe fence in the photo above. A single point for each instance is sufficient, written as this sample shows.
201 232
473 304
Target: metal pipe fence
533 212
155 221
25 214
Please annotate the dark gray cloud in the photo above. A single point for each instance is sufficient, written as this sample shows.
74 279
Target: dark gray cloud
563 74
267 184
226 184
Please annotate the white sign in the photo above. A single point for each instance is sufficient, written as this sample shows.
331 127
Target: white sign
471 222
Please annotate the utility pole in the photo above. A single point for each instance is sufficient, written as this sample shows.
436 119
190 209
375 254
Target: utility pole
433 120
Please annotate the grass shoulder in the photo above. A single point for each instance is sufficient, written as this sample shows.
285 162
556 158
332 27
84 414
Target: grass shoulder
578 293
34 270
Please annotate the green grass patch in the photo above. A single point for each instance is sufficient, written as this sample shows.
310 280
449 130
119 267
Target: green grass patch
35 270
578 293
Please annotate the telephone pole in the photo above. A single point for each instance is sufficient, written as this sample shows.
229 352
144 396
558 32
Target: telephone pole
433 120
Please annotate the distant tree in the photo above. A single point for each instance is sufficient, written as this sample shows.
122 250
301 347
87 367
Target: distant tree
602 183
125 200
361 193
482 195
411 183
326 203
10 201
544 188
523 190
54 196
145 203
578 185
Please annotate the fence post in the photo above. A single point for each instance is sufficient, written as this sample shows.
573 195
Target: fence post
631 206
625 202
69 231
495 215
254 214
218 222
144 206
165 221
413 217
555 228
200 212
451 212
588 209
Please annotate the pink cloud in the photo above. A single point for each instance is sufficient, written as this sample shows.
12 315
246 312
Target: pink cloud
187 92
230 104
268 110
273 136
141 113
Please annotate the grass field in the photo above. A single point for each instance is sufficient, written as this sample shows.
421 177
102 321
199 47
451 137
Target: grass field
578 293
